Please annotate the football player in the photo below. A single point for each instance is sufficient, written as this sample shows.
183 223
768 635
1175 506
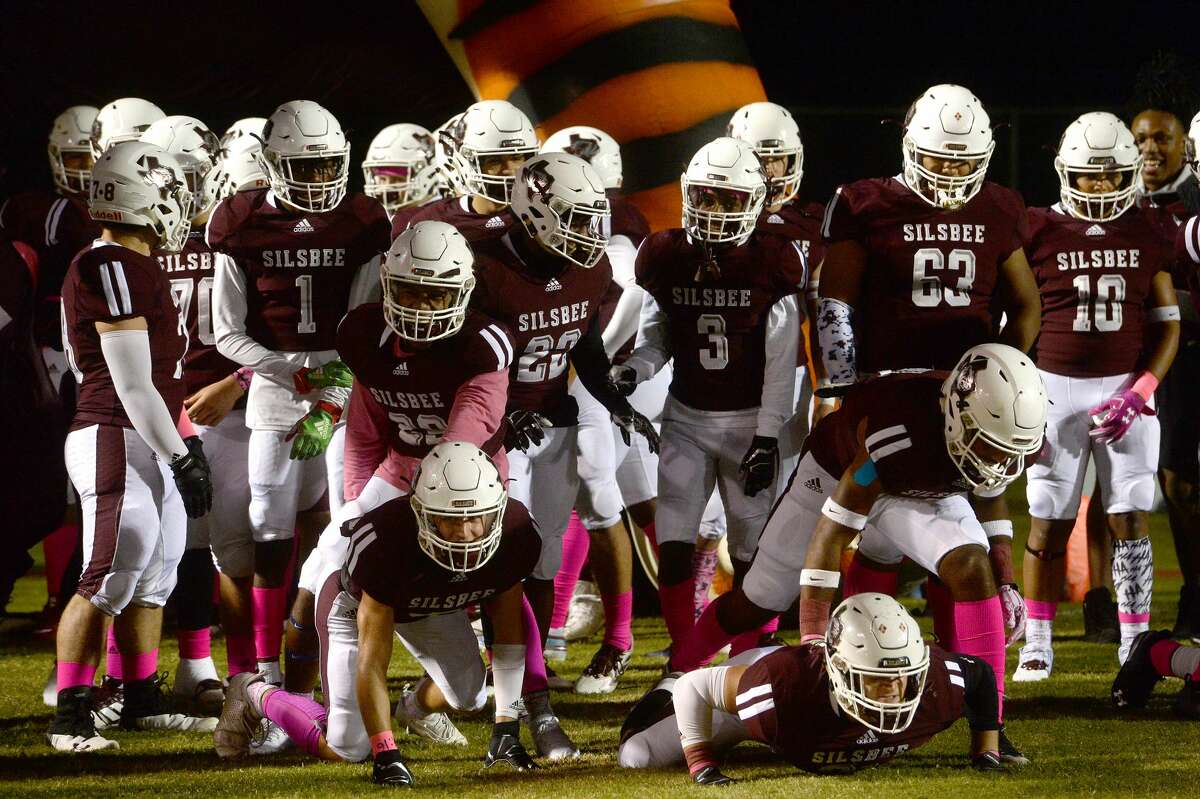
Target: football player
290 261
870 691
399 170
413 566
137 478
251 127
1110 328
1152 657
483 148
721 301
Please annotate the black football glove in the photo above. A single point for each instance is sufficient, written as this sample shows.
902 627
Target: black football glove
389 769
759 465
193 478
525 430
622 380
634 422
987 761
711 775
505 747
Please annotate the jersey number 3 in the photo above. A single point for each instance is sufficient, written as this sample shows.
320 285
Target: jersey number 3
929 288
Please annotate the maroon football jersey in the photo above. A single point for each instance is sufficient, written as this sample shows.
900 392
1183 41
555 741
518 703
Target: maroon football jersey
1095 279
298 267
547 316
904 436
717 326
56 226
111 283
416 389
386 560
474 227
800 222
190 273
1187 257
626 220
403 217
784 701
930 274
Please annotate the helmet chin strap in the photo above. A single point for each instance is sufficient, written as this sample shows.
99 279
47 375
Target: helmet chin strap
543 262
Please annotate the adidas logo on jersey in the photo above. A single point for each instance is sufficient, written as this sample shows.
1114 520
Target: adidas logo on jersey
401 369
553 285
494 222
303 226
774 219
868 738
814 484
1094 230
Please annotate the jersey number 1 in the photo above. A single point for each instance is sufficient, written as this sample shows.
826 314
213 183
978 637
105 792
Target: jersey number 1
1106 309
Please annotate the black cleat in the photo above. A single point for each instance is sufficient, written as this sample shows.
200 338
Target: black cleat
388 769
711 775
987 761
1009 753
1100 617
1187 622
1187 704
1137 678
507 749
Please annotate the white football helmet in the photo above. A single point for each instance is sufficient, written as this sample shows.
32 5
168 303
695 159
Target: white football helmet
141 184
1193 143
71 136
947 122
487 134
592 145
241 163
724 189
444 146
561 202
1098 142
458 481
197 150
430 263
771 131
994 399
399 168
306 156
248 126
873 636
125 119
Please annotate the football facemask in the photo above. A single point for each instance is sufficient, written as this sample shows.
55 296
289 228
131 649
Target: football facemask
458 500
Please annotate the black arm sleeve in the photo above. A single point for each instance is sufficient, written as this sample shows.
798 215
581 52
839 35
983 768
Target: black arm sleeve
981 702
591 365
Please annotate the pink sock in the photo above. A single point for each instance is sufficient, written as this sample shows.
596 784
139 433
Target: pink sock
618 617
535 661
113 657
678 608
862 579
139 666
704 568
1042 611
300 717
575 551
750 640
57 548
240 654
1160 656
702 644
941 607
194 644
270 607
73 675
980 627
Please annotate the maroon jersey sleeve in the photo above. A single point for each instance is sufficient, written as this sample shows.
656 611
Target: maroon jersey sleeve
627 220
843 214
116 287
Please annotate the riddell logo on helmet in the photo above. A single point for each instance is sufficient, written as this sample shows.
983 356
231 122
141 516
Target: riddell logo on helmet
721 178
462 503
422 272
512 142
107 215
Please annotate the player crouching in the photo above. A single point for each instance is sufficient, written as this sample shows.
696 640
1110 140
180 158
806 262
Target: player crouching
414 564
871 690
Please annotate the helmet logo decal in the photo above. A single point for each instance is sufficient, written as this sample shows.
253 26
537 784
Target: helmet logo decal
585 148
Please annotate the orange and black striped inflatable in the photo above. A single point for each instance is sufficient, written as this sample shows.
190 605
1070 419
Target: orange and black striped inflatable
662 77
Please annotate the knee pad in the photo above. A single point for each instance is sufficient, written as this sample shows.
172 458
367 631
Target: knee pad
634 753
465 701
234 558
116 592
348 740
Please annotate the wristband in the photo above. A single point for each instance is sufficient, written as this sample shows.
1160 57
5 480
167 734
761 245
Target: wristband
243 377
329 408
383 742
843 516
1144 386
1000 528
820 578
1163 313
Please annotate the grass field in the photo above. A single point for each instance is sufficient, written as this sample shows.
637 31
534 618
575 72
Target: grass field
1078 745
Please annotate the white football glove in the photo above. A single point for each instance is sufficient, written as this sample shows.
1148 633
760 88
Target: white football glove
1014 613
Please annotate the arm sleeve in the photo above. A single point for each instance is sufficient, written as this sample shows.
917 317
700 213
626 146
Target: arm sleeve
367 435
623 325
229 326
592 365
695 695
652 350
127 355
478 408
779 371
836 336
981 705
365 287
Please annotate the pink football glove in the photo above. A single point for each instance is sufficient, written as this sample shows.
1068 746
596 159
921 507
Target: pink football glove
1116 415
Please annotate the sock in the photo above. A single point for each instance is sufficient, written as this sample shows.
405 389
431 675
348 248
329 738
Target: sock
112 660
194 644
1133 577
57 549
861 579
139 666
704 568
618 617
1171 659
701 645
271 671
980 627
1039 628
652 536
300 717
240 654
270 608
535 660
941 607
74 675
575 546
678 608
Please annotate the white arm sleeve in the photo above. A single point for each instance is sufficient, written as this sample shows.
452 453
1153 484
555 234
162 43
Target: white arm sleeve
836 337
508 670
652 350
229 326
696 694
623 325
779 370
127 355
366 287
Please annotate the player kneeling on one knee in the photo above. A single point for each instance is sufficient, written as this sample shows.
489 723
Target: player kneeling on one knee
869 691
413 566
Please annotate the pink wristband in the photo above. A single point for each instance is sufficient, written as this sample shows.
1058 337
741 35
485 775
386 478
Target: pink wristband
383 742
243 377
1144 386
184 424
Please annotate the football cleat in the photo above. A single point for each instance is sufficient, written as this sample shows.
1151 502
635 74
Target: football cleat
72 729
239 718
604 672
388 769
505 747
270 739
436 727
147 707
549 738
710 775
1187 703
79 743
987 761
1009 753
206 698
1137 677
1100 617
107 703
586 614
1034 665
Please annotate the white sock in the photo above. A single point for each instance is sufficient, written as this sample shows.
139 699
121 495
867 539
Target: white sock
192 672
1039 633
1185 661
271 671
